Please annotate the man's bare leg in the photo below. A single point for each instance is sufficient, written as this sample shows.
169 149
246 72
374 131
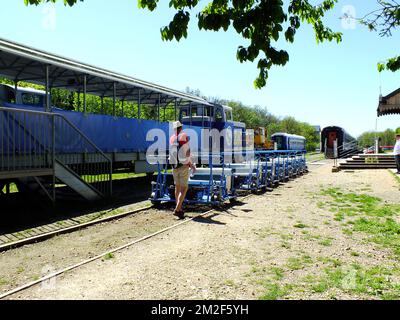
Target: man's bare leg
177 193
182 195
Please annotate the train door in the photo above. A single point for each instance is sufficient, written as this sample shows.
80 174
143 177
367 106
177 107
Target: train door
332 136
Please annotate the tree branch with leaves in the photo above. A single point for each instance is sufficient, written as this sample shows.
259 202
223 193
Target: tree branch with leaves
385 20
260 22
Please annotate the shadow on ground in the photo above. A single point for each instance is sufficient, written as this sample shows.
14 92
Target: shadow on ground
20 212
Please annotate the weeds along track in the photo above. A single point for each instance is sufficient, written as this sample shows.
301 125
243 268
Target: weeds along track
114 250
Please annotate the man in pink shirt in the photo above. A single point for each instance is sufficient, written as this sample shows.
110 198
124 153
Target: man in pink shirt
180 160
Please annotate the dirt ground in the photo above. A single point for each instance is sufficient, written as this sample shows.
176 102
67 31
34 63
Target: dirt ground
285 244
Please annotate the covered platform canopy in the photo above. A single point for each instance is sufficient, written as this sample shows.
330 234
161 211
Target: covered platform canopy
22 63
389 104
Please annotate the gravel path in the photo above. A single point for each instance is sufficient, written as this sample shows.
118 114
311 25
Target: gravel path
228 255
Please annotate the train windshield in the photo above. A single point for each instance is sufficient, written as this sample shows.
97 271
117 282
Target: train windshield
279 142
32 99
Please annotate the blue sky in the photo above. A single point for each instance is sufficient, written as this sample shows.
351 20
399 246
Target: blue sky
325 84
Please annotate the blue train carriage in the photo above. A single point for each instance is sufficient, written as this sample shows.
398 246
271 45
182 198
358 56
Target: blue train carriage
122 139
22 96
290 156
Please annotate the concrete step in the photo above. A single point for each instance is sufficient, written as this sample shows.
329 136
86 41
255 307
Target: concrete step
366 166
68 177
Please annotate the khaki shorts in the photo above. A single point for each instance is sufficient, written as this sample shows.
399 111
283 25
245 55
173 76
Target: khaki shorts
181 175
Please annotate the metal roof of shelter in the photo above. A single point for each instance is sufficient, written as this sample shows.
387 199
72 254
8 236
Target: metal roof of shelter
21 63
389 104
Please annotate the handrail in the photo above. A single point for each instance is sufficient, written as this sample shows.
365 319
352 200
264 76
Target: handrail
351 143
83 135
53 114
40 131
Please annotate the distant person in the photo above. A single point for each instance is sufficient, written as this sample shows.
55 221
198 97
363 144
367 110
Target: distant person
396 152
180 160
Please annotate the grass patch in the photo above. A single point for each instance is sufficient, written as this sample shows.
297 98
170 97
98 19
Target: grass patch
327 242
109 256
300 225
278 273
396 177
298 263
275 291
369 215
3 282
20 269
375 281
230 283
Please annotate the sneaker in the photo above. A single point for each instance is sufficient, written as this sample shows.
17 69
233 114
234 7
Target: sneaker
179 214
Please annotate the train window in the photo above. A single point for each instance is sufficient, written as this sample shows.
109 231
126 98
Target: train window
218 115
184 113
32 99
195 112
279 142
11 96
228 115
206 111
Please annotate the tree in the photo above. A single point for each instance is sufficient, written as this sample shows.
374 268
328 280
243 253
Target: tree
367 139
385 20
260 22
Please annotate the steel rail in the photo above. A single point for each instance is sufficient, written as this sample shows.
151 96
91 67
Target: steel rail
100 256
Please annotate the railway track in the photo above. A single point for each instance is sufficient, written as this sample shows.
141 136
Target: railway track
17 239
145 205
114 250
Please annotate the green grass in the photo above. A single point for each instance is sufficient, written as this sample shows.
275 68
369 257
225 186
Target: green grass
300 225
109 256
396 177
3 282
298 263
115 176
325 242
374 281
278 273
13 188
275 291
229 283
314 156
20 269
369 215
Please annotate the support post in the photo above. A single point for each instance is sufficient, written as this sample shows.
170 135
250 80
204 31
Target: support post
175 108
53 151
16 90
158 107
47 106
139 106
79 100
114 97
84 93
190 113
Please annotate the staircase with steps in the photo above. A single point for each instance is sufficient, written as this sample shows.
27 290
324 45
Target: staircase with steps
41 150
369 161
